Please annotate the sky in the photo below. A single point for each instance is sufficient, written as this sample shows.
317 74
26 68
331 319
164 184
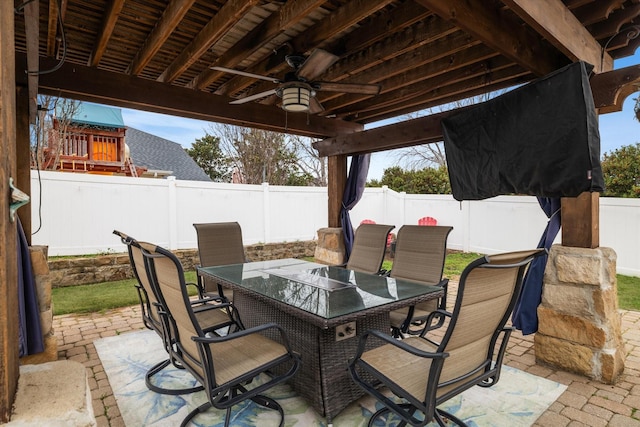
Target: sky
616 129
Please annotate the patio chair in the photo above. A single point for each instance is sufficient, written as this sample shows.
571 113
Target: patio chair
224 365
424 373
369 246
419 256
215 316
219 243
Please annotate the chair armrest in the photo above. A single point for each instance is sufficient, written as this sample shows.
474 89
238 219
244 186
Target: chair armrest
245 332
396 343
205 307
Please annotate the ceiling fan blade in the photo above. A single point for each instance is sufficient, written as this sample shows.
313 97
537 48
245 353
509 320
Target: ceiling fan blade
315 107
246 74
254 97
365 89
316 64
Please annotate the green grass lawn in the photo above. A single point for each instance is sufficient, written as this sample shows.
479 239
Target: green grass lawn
103 296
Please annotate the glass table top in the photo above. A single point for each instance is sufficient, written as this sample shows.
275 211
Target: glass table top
325 291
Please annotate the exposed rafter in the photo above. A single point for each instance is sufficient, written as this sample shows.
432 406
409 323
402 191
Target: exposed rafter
290 14
338 21
216 28
108 24
172 15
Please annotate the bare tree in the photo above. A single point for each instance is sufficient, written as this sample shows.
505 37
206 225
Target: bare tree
260 156
433 155
309 162
48 142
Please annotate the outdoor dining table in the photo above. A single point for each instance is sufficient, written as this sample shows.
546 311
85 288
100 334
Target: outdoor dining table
323 309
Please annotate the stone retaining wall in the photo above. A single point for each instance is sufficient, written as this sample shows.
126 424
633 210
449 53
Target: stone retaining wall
107 268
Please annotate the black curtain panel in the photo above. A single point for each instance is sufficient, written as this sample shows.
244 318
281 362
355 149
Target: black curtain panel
540 139
354 188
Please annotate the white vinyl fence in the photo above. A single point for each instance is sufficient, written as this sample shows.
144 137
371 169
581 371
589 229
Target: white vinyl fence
80 212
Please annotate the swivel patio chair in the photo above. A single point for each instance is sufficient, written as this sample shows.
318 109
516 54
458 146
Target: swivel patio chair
421 373
219 243
223 365
217 315
419 257
369 246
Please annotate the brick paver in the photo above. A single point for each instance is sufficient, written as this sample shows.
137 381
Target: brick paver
584 403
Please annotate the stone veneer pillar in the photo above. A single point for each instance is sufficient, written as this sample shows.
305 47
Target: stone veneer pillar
330 248
43 290
578 319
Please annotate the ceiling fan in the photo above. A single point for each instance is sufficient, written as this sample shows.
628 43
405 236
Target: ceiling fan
298 89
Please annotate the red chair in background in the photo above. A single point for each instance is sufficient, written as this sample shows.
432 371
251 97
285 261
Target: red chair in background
390 238
427 220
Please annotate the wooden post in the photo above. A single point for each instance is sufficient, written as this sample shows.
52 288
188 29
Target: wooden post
581 221
336 180
9 367
23 156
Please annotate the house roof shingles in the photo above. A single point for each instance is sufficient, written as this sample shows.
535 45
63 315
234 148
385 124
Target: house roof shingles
157 153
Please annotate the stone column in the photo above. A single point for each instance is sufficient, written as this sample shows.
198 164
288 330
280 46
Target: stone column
330 249
578 319
43 290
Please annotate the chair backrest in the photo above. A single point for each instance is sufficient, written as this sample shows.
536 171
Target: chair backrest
167 277
487 293
146 293
224 365
420 253
369 245
219 243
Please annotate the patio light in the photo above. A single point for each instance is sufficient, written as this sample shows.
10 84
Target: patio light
296 96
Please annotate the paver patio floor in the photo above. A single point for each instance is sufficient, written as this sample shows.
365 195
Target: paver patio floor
584 403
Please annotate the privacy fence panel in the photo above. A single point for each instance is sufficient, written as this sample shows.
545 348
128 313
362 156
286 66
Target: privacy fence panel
79 213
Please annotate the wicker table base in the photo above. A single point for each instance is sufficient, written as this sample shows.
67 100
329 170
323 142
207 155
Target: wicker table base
323 379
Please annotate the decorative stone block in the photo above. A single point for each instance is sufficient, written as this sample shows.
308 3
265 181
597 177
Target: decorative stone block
571 328
571 357
570 299
53 394
579 325
50 353
611 365
330 248
574 269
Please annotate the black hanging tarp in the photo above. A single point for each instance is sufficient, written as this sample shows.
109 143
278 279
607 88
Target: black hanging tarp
540 139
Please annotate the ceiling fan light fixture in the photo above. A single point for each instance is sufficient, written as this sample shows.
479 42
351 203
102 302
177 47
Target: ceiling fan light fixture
296 97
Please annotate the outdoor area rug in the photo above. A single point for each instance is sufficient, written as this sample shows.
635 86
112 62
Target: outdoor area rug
518 399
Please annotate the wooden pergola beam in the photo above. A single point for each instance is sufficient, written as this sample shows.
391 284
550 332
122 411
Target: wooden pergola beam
77 82
9 366
607 89
556 23
495 29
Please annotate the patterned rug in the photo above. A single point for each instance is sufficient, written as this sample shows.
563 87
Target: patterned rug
518 399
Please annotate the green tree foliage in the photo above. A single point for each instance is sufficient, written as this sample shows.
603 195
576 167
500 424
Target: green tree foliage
206 152
621 170
424 181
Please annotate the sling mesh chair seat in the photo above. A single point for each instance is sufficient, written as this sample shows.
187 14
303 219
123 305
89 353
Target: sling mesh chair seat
223 365
424 373
219 243
369 246
419 257
214 315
